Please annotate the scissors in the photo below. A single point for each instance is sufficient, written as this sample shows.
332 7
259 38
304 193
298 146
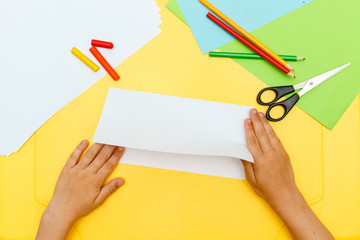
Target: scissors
290 102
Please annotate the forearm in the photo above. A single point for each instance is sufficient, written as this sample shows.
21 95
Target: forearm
53 226
299 219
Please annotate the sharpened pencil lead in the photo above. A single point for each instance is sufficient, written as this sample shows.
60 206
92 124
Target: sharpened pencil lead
300 58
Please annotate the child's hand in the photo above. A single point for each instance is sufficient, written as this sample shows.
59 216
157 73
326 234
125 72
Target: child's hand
80 187
271 176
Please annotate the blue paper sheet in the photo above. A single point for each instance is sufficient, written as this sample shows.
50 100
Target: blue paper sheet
249 14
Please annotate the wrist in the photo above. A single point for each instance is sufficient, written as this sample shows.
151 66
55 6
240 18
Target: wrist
59 215
289 204
283 196
54 223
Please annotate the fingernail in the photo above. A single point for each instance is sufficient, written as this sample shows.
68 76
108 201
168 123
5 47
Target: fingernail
121 148
254 111
248 121
120 182
261 114
84 142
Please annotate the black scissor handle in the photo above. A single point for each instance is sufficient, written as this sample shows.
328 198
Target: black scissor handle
287 104
279 91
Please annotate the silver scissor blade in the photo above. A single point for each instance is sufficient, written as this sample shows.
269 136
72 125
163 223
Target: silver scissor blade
316 81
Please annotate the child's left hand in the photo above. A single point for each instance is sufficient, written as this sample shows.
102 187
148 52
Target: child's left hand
80 188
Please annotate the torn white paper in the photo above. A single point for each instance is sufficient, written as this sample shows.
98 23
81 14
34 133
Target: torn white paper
39 75
190 128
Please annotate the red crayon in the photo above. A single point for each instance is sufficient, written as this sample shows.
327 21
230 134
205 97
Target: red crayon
249 44
103 44
104 63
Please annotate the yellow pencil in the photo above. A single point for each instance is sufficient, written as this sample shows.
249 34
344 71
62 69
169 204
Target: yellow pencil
246 34
84 59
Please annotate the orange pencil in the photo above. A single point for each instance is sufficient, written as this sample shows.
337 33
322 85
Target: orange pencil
104 63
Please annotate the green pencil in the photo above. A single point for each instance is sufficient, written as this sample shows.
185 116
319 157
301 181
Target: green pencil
252 56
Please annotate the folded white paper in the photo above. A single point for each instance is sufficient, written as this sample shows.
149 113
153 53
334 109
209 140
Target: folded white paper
39 75
228 167
190 128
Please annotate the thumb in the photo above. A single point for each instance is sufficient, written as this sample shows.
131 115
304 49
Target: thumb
249 171
109 189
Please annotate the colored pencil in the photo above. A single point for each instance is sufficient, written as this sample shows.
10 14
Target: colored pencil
249 44
251 56
84 59
104 63
246 34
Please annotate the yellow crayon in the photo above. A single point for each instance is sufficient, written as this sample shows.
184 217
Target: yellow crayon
84 59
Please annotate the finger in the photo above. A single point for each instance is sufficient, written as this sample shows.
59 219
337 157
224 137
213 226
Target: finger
249 171
275 141
251 140
102 157
90 155
109 189
76 154
260 131
110 165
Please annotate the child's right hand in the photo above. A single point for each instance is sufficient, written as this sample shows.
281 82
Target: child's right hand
271 176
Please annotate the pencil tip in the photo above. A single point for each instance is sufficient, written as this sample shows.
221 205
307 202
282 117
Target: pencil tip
291 74
300 58
289 67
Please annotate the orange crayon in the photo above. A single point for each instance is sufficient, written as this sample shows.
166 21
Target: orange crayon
104 63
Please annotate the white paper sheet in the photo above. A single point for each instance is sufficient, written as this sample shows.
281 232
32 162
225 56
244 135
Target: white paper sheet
39 75
188 132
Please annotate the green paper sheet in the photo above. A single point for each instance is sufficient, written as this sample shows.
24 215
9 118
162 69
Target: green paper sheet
326 33
174 7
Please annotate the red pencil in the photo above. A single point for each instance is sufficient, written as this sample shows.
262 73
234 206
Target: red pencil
249 44
104 63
